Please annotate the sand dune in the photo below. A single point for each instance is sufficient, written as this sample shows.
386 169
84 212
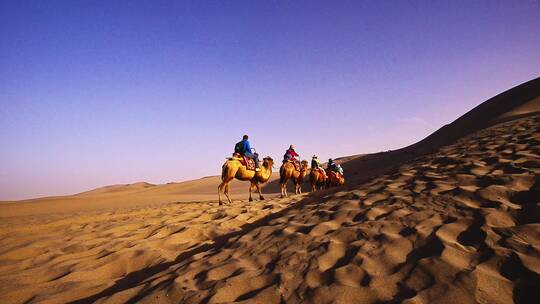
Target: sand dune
129 195
455 223
118 188
517 102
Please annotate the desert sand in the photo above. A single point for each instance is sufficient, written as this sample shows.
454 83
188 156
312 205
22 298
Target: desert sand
451 219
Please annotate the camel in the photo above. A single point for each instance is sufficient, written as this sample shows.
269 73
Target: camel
317 178
233 168
287 171
334 179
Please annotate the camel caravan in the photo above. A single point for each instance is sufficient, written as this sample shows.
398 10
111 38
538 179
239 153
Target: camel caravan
244 165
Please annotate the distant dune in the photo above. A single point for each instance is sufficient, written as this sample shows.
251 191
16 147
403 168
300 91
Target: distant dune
454 218
118 188
126 195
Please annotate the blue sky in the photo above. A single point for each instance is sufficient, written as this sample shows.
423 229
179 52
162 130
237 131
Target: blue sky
98 92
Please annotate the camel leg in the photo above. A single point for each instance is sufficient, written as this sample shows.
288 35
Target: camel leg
227 193
261 197
220 189
250 187
224 187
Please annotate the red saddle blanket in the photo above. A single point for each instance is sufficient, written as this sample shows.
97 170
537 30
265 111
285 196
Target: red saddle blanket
249 163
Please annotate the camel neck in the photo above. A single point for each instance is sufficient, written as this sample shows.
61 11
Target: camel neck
265 172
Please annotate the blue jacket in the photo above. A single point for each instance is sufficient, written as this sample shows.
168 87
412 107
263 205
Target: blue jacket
247 147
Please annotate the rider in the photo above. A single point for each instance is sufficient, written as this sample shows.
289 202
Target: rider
244 148
334 167
290 154
315 163
331 165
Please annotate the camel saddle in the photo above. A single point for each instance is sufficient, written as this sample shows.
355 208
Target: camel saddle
247 162
296 164
321 171
336 174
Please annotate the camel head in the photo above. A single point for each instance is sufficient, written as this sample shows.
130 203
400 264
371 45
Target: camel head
304 164
268 162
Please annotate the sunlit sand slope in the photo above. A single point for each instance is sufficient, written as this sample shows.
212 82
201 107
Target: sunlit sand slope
62 257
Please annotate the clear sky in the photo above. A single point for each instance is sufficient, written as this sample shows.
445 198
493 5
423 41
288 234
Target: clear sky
94 93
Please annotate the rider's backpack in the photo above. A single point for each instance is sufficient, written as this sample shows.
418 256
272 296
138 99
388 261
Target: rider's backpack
239 147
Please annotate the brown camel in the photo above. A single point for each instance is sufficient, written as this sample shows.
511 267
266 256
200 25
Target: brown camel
334 179
233 168
287 171
317 178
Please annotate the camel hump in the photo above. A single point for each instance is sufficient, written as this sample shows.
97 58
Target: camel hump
295 164
235 156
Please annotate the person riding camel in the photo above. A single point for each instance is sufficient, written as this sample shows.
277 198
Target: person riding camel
334 167
331 165
290 154
315 163
244 148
